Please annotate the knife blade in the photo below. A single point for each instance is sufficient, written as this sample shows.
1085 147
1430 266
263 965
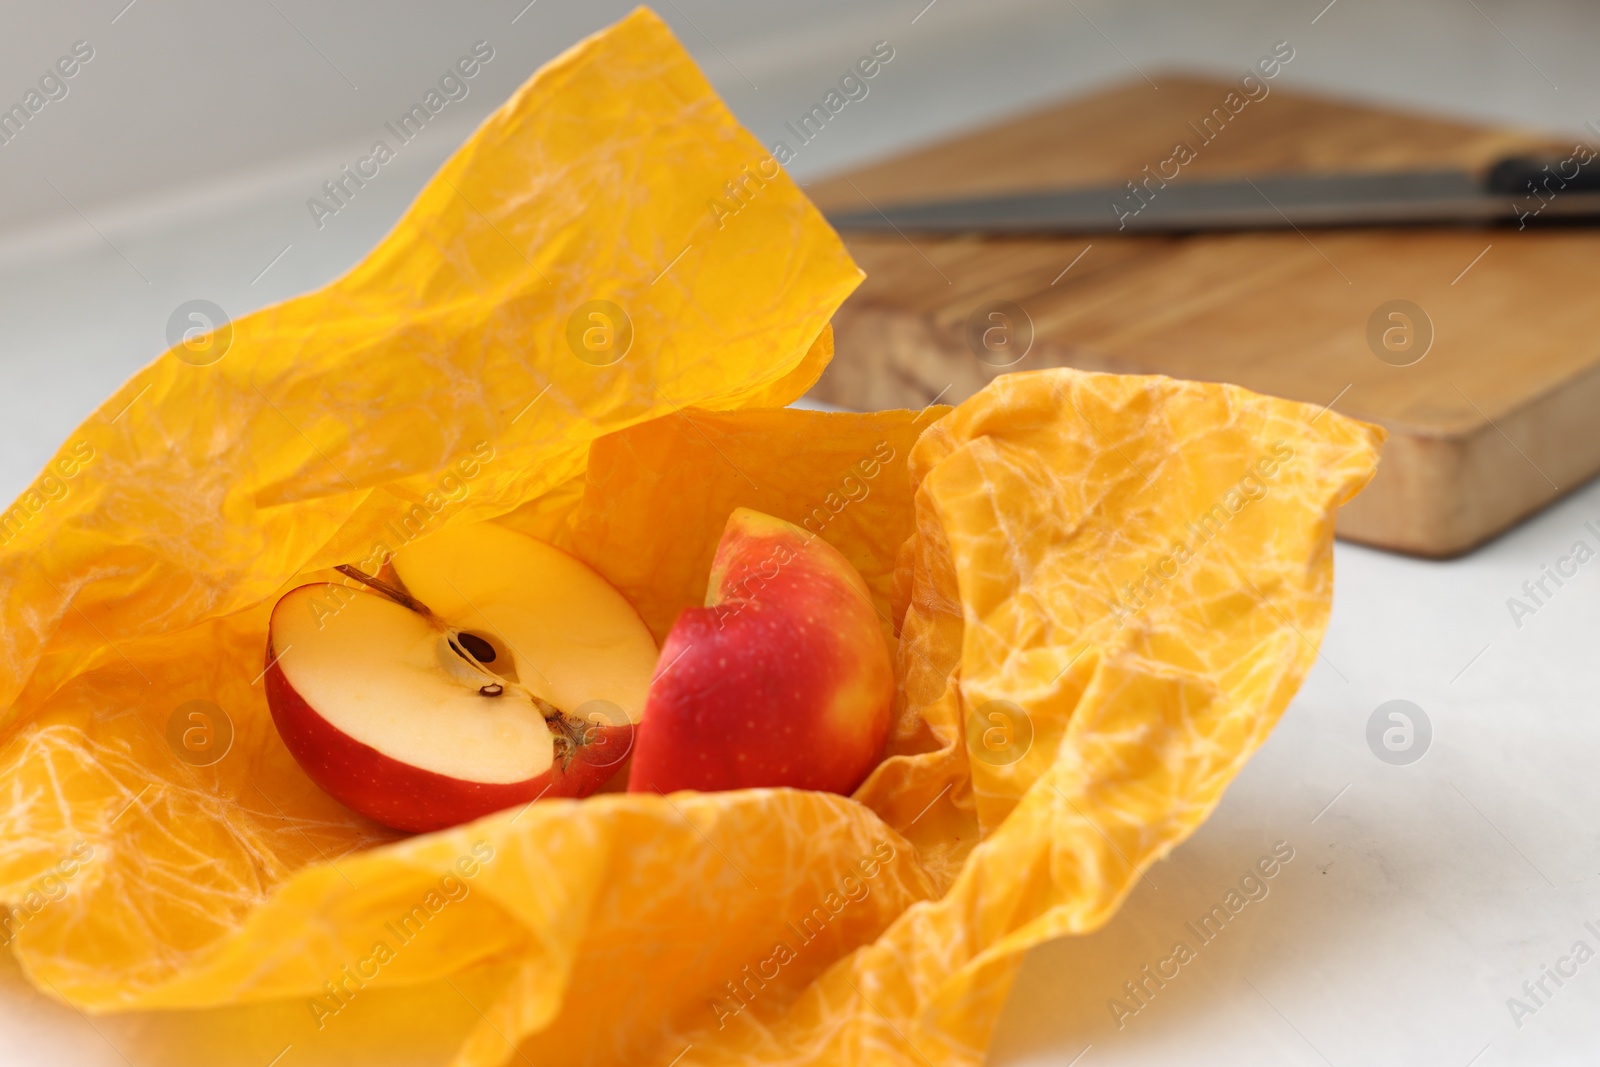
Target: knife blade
1521 190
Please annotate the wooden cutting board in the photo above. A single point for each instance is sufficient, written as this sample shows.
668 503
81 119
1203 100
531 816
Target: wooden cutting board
1498 418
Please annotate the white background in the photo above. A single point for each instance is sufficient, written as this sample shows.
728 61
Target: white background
178 167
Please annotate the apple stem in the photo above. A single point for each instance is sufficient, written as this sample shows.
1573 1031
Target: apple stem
394 593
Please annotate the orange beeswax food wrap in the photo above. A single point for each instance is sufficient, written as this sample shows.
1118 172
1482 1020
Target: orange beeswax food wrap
1104 591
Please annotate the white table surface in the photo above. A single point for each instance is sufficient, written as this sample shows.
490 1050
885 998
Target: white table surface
1419 898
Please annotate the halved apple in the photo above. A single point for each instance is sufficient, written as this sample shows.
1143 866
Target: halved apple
784 678
482 669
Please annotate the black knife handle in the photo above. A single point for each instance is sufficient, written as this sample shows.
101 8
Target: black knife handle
1522 175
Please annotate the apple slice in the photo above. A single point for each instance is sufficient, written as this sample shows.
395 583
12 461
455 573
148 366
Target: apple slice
782 679
483 669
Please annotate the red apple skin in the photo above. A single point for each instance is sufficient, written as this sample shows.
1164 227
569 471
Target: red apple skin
784 679
409 798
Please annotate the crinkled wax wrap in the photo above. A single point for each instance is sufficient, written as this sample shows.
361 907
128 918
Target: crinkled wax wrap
1142 566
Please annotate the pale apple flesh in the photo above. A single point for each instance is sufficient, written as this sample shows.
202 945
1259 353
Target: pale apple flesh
485 669
783 679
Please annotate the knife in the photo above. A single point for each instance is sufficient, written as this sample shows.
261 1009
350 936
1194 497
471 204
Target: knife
1520 190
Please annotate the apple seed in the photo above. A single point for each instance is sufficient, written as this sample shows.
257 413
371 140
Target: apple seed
481 650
